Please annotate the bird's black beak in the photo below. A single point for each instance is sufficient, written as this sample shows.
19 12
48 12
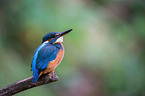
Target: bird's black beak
65 32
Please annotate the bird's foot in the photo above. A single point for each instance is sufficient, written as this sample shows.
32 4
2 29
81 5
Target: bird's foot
53 76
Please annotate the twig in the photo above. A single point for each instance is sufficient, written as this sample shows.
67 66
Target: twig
27 84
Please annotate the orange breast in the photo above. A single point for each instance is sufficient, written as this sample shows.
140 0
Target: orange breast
53 64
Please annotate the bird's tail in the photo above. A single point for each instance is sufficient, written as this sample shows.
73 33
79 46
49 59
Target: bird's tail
35 75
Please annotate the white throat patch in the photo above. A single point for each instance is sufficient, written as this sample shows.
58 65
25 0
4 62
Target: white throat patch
60 39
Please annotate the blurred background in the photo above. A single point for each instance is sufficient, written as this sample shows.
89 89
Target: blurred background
104 54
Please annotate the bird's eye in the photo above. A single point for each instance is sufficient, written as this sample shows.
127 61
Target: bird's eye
53 36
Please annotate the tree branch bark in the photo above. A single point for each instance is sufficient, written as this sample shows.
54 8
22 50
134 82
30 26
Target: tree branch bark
27 84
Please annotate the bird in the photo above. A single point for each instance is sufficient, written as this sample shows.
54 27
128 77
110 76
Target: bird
48 55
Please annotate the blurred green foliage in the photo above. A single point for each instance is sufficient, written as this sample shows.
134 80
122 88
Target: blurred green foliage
104 54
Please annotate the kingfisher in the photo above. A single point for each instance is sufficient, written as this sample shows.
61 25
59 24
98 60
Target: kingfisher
48 55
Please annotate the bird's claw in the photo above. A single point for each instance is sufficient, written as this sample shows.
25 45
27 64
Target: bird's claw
52 75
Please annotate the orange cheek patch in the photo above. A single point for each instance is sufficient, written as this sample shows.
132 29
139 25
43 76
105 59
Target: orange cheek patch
49 39
56 34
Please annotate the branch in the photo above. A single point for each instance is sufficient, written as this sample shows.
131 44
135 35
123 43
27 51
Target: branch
27 84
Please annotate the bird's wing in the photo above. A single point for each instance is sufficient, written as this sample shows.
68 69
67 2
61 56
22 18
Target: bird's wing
43 56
